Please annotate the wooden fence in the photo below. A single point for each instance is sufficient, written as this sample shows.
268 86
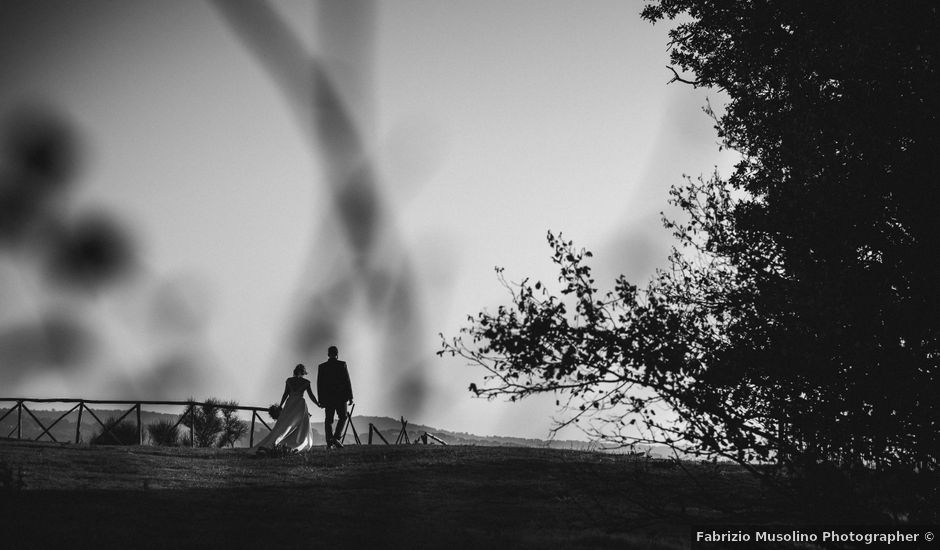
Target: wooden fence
81 405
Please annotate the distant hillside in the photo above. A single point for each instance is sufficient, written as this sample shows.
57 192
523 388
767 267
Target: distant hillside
390 428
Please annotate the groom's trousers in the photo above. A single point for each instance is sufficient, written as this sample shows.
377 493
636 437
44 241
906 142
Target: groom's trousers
342 414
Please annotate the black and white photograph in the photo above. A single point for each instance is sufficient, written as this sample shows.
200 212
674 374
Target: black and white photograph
527 274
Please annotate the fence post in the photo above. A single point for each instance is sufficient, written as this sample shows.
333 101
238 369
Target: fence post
140 428
251 434
19 419
403 434
349 423
355 432
372 428
78 424
192 425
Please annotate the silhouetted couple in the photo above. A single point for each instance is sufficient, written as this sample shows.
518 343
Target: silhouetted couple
293 429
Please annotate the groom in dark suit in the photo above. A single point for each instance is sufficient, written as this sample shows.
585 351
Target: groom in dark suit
335 392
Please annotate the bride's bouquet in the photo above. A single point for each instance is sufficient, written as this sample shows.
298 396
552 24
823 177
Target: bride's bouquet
274 411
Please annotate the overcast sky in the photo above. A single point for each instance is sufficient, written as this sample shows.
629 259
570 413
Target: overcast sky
488 124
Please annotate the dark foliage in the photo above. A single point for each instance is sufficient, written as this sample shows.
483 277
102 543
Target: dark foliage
164 433
117 433
798 321
204 421
832 307
214 423
233 428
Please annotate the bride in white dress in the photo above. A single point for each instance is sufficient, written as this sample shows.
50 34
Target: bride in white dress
292 429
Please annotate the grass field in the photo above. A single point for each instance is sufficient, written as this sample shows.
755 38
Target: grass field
409 496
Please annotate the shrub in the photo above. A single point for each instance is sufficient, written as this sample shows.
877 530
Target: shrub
164 433
214 422
115 433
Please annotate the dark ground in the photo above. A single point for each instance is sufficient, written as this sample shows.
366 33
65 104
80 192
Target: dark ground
414 496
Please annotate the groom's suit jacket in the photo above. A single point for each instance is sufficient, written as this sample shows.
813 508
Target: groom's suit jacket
333 386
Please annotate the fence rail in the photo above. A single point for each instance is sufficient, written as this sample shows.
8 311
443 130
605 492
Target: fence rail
81 405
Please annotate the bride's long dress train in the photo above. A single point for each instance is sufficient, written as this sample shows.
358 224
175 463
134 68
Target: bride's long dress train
292 429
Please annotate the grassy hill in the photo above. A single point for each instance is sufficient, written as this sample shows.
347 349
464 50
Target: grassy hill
408 496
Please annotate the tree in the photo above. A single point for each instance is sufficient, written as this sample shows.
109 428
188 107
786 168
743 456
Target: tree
233 428
797 319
